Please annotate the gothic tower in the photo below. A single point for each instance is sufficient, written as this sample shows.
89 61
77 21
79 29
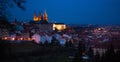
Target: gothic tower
40 17
45 16
35 17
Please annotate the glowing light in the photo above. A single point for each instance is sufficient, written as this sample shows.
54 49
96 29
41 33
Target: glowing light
13 39
5 38
99 28
36 18
59 26
21 38
29 39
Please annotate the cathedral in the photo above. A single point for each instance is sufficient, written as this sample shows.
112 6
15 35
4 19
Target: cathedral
40 17
42 22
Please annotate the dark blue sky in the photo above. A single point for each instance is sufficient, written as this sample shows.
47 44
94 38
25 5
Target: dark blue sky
73 11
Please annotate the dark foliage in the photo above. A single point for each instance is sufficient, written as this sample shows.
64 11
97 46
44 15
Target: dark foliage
97 57
4 24
54 42
80 51
68 44
110 54
90 53
5 4
117 58
46 43
19 3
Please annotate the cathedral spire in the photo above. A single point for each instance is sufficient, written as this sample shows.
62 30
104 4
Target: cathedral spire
35 17
40 17
45 16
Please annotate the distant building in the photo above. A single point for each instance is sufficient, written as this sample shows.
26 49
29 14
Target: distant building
42 24
40 17
59 26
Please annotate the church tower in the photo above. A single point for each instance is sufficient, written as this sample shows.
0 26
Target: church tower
45 16
35 17
40 17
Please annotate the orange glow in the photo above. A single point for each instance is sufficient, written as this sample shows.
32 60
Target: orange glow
36 18
29 38
5 38
12 39
59 26
21 38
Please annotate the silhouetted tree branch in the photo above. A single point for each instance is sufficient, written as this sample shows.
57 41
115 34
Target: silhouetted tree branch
5 4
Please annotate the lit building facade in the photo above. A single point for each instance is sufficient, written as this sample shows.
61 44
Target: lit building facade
59 26
40 17
43 24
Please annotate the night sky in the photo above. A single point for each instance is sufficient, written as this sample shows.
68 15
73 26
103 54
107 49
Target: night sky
72 11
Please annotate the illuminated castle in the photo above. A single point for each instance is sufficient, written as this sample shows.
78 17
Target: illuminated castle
42 22
41 17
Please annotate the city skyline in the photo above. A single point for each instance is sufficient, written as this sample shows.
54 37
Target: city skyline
59 30
71 12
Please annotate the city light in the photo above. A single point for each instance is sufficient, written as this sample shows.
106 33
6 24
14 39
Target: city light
59 26
5 38
13 39
21 38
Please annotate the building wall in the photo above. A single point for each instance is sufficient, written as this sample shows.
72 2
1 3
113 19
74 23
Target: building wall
45 27
59 26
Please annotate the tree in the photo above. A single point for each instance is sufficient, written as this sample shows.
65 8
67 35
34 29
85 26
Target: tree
5 4
54 42
102 57
41 44
118 56
97 57
110 54
4 24
90 52
19 3
1 49
80 51
46 43
57 43
68 43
